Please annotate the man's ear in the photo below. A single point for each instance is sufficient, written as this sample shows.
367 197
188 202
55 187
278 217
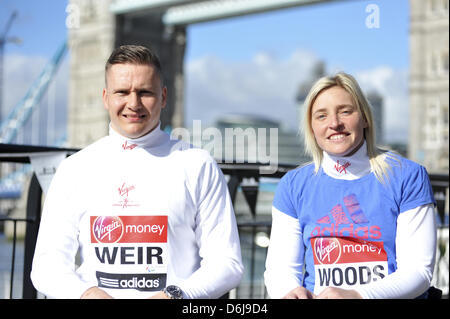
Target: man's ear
105 99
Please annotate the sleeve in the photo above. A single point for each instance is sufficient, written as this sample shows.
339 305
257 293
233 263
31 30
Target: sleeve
285 255
416 189
283 200
217 238
415 251
53 269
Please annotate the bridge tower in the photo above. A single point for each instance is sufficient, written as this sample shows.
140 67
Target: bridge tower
91 41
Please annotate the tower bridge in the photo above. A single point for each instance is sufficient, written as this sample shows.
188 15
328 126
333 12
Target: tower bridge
94 29
160 24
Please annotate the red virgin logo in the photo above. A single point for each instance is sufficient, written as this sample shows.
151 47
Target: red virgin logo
124 190
107 229
125 146
327 250
341 168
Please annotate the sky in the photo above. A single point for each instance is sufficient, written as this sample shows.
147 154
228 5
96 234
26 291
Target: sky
253 64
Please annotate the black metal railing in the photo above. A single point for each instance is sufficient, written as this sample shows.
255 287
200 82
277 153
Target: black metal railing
253 254
20 154
14 221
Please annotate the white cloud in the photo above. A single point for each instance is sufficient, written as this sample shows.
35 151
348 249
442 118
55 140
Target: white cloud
267 86
392 85
19 73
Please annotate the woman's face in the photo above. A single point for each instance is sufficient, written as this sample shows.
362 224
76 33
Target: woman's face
337 124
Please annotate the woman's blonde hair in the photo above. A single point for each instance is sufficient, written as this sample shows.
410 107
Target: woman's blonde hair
376 155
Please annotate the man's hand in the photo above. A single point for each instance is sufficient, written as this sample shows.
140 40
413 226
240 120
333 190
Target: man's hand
95 293
159 295
338 293
299 293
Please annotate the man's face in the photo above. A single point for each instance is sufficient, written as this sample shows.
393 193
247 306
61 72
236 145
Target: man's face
134 97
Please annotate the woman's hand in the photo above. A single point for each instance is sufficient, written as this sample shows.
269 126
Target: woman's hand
327 293
299 293
338 293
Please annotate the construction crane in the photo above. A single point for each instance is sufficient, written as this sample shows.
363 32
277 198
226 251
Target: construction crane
19 115
11 183
3 40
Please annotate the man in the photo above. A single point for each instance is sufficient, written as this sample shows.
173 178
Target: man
151 217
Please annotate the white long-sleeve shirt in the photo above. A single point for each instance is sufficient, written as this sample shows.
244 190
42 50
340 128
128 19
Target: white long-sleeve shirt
415 243
144 213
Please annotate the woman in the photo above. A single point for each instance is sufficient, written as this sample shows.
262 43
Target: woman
357 222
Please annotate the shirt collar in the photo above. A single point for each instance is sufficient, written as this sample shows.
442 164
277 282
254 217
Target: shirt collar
347 167
152 139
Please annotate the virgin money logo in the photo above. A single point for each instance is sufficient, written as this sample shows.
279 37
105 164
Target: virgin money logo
107 229
327 250
129 229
